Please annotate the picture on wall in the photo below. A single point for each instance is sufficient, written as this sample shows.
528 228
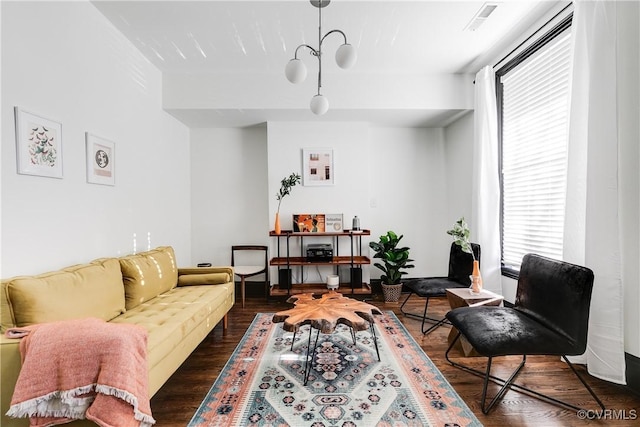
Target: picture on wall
317 166
100 160
38 145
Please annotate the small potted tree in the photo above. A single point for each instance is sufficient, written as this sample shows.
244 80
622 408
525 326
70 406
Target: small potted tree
286 185
395 260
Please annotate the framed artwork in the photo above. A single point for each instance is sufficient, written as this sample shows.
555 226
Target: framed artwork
317 166
308 223
38 145
101 160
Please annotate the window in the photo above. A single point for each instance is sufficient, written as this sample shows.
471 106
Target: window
533 99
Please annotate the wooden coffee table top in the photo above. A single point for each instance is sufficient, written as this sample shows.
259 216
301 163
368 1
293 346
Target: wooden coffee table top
326 312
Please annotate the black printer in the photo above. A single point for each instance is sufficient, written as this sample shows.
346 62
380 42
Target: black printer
319 252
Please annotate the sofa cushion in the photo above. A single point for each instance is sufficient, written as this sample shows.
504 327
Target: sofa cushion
172 316
88 290
148 274
203 279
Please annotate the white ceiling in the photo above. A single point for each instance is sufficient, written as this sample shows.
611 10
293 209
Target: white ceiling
393 38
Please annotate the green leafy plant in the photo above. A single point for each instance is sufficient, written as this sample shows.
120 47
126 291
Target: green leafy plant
286 185
394 259
461 235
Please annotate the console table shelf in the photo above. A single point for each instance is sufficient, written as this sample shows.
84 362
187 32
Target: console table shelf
336 260
319 288
285 261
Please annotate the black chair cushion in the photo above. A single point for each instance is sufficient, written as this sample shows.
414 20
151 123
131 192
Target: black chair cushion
503 331
428 287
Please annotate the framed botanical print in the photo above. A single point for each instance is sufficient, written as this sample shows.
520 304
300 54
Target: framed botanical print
38 144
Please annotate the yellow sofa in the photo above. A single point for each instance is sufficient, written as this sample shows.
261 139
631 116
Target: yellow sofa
177 306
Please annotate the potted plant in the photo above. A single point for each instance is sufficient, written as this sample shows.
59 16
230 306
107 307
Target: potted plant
395 260
286 185
461 235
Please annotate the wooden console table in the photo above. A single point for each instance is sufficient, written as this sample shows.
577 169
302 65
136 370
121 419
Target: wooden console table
354 258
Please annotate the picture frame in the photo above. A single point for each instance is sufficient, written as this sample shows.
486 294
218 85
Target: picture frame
38 144
333 223
309 223
101 160
317 167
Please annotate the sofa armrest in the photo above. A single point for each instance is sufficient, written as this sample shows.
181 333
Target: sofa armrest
191 276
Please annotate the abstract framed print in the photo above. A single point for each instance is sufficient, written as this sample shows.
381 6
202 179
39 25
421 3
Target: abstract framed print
101 160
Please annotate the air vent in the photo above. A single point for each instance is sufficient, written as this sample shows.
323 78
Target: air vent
485 11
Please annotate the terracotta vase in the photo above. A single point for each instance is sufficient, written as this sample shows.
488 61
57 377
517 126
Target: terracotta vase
476 278
277 226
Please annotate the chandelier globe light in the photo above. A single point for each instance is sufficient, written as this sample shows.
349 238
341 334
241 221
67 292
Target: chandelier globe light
296 71
319 104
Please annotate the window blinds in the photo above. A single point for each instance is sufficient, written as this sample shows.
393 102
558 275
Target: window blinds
535 111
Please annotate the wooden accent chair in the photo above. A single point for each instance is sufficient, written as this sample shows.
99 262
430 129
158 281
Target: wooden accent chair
246 270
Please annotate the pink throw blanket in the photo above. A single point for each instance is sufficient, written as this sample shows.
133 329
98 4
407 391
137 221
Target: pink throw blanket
84 368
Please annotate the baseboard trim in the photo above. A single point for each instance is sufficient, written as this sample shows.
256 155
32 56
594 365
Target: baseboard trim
633 372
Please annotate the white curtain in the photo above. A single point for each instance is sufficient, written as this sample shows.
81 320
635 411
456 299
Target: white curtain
485 205
592 222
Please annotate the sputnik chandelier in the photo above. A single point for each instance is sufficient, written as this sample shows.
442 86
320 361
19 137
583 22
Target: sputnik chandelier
296 71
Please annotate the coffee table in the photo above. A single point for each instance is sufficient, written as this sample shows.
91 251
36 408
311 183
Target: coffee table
324 314
461 297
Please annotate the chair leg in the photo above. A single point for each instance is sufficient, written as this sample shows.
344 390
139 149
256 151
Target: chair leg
242 289
424 317
403 303
584 383
506 384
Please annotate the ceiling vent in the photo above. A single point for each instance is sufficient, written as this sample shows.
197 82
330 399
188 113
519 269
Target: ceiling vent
485 11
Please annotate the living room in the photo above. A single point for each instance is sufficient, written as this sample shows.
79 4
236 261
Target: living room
202 188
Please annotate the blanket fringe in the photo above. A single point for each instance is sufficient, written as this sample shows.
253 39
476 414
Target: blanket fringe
60 403
145 419
67 404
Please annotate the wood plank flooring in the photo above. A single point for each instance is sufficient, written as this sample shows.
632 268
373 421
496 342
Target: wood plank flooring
176 402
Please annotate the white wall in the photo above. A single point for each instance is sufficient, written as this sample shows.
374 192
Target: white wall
408 180
229 191
390 177
459 167
65 61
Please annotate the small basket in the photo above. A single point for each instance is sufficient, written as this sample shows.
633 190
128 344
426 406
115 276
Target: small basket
391 292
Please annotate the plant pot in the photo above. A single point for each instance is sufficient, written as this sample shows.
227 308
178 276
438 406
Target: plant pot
391 292
277 225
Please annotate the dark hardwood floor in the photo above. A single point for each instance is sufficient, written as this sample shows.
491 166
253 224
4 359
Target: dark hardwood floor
176 402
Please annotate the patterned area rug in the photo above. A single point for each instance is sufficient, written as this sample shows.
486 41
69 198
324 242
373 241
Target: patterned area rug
262 383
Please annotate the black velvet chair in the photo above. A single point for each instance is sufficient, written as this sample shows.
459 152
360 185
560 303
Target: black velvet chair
550 317
460 268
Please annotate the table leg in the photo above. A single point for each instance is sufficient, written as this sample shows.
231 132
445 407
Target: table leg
308 364
375 339
293 340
